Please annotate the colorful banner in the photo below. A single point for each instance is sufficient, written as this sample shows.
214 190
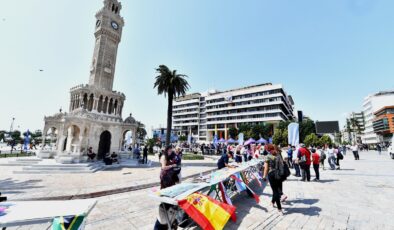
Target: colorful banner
68 223
207 212
294 134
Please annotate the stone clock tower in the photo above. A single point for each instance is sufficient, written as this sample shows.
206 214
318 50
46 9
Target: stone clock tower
109 25
95 112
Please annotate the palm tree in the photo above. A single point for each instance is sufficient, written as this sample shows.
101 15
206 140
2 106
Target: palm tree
172 85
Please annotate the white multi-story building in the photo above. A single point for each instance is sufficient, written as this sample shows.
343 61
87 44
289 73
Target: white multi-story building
355 126
204 115
373 103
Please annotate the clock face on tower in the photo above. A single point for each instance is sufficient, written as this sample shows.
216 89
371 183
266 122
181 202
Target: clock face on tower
114 25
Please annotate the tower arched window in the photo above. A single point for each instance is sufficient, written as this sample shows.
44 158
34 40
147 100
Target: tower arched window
111 106
85 100
105 105
90 103
116 107
113 7
116 10
100 104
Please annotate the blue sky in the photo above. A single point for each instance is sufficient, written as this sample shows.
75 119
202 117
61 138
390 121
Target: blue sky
328 54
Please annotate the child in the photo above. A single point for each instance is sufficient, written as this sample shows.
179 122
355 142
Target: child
316 163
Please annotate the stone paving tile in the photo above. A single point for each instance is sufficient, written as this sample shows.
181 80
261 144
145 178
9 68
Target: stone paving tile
357 197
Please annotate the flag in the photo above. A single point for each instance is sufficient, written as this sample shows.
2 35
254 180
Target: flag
257 177
68 223
242 186
226 199
207 212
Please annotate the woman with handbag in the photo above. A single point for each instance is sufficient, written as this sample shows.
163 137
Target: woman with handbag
272 167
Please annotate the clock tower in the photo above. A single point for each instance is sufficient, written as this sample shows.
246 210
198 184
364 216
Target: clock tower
109 25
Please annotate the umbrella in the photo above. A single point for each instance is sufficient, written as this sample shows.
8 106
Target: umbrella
262 141
221 140
232 141
250 141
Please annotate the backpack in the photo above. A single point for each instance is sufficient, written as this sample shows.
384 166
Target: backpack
282 171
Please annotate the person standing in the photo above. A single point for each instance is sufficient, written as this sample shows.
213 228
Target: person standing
355 152
379 148
178 161
331 157
316 164
339 157
290 156
145 155
273 163
323 155
304 159
296 164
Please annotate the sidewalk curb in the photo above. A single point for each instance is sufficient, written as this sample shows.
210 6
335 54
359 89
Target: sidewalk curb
107 192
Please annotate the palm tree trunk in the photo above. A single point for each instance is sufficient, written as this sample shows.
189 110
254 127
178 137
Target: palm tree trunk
169 119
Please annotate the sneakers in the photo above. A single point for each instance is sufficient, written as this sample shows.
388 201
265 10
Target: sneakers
283 198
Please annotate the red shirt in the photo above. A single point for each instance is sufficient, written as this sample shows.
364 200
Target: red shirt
316 158
305 152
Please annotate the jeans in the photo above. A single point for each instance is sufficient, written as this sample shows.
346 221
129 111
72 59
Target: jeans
306 172
290 162
331 162
356 156
276 186
316 168
297 169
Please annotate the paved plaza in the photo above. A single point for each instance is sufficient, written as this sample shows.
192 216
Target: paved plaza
357 197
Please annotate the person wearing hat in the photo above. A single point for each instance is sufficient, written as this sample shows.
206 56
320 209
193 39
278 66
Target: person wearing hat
224 159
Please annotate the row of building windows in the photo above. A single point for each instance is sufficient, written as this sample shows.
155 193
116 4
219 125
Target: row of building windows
249 95
247 117
254 109
258 101
185 105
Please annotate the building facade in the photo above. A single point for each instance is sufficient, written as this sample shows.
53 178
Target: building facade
95 112
383 124
204 115
372 104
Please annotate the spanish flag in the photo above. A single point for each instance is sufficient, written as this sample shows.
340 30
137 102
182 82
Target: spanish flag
207 212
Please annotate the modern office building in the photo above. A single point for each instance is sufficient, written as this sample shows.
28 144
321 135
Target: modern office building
371 105
383 124
204 115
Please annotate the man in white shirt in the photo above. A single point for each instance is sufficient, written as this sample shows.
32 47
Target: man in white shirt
355 152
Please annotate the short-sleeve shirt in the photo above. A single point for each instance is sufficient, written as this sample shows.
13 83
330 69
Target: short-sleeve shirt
223 161
316 158
271 161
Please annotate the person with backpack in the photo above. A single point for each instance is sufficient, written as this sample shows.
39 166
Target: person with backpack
274 170
339 157
304 160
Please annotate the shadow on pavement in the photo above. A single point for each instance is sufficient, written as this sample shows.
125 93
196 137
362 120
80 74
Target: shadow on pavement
302 201
327 181
308 211
10 186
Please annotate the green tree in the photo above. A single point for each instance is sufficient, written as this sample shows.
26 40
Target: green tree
306 127
171 85
277 138
182 138
246 130
267 130
16 135
311 140
233 132
141 133
325 140
257 131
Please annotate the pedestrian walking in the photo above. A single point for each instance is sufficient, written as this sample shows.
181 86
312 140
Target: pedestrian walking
316 164
379 148
272 167
339 156
145 155
290 156
304 159
355 151
331 157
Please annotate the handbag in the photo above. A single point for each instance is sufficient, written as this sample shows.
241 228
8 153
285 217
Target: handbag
340 156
